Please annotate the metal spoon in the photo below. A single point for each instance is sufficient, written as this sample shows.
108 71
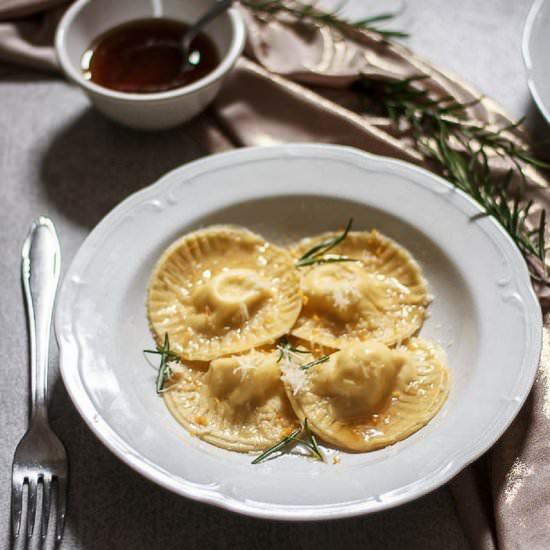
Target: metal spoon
217 9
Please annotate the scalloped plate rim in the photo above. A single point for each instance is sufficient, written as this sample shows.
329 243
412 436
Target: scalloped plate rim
117 445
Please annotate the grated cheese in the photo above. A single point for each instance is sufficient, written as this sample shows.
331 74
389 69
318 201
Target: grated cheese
294 376
245 365
343 297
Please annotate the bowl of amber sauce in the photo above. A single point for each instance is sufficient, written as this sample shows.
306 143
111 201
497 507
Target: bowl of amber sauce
127 57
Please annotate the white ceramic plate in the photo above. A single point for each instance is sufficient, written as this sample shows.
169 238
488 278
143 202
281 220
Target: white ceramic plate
536 47
484 312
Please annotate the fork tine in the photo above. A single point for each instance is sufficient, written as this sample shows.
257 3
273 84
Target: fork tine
16 505
61 505
31 508
46 503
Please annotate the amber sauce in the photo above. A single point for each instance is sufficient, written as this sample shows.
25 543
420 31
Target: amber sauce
145 56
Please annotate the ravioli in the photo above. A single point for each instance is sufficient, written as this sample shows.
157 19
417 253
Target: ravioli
222 290
381 296
220 297
237 403
368 396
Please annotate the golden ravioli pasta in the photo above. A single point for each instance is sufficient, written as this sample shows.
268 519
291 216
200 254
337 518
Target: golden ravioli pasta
381 296
368 396
238 403
220 297
222 290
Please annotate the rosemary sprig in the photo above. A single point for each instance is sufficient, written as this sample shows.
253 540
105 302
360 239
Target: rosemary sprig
166 357
287 351
461 150
310 442
317 254
310 13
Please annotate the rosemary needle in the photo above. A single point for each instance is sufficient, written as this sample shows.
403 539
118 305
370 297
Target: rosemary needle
313 441
319 261
323 359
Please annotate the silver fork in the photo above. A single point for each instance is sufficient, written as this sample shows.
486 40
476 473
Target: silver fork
40 457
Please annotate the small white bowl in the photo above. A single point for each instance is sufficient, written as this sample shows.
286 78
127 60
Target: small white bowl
536 47
85 20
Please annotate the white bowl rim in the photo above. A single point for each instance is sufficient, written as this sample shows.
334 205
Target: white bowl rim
227 61
111 440
526 52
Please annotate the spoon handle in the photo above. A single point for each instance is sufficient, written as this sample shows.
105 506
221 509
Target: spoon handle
218 8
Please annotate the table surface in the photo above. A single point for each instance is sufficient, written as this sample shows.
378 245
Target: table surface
60 158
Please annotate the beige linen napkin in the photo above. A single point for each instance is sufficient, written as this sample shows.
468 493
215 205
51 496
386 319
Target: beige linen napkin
292 85
26 32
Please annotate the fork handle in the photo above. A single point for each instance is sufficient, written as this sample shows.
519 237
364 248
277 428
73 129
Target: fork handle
40 265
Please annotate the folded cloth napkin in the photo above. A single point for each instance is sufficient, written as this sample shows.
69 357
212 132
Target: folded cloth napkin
503 499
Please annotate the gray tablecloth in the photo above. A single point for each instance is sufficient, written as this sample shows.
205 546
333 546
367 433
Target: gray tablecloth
60 158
